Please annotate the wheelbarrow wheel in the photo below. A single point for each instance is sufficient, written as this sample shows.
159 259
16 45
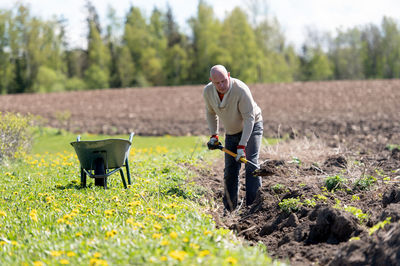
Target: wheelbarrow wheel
100 170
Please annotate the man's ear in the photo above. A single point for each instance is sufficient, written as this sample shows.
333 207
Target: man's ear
229 74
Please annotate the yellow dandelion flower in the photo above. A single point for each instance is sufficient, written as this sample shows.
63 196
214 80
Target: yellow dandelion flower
98 262
33 215
111 233
108 212
206 233
38 263
15 193
156 236
64 261
56 253
78 234
3 213
134 203
163 258
185 239
115 198
14 243
3 243
97 255
71 254
194 245
130 221
231 260
157 226
164 243
173 235
67 217
171 217
204 253
178 255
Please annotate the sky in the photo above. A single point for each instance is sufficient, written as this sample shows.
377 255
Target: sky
294 16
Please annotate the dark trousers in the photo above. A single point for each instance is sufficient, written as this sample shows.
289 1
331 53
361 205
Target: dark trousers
232 168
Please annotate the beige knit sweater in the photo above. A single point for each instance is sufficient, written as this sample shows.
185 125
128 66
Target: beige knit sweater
237 111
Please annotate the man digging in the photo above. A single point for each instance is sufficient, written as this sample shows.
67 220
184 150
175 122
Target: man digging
230 100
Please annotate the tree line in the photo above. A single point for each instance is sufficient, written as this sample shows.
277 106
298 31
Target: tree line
140 51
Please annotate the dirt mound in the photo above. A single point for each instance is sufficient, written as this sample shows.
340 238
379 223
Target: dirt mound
324 227
382 249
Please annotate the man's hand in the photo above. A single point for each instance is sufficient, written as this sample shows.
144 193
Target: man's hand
213 143
241 152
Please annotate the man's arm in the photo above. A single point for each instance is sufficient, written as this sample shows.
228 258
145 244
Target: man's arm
211 116
247 111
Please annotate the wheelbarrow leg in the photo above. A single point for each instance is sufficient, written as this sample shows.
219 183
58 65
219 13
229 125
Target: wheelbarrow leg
100 170
128 173
83 178
123 178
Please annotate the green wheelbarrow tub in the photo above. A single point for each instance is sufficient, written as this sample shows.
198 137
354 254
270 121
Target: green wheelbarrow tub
98 157
113 151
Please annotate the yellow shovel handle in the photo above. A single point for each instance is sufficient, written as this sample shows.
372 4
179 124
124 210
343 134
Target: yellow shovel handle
233 154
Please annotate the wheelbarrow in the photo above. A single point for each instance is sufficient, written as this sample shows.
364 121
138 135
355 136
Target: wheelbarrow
101 158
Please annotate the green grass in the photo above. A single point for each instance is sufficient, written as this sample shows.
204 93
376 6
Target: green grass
47 219
53 141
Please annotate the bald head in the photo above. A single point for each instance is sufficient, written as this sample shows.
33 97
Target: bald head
220 78
218 69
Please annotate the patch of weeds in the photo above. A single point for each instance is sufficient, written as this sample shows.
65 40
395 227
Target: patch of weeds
302 185
290 205
333 183
309 203
295 160
358 213
278 188
338 204
364 183
355 198
391 147
320 197
379 225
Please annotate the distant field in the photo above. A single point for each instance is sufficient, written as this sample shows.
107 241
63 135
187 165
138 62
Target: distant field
330 107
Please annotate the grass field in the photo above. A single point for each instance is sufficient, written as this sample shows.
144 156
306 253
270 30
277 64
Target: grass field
46 218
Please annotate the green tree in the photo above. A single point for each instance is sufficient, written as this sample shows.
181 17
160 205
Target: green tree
113 42
206 48
153 57
177 62
98 55
7 69
277 63
390 48
125 67
239 40
372 51
346 54
136 38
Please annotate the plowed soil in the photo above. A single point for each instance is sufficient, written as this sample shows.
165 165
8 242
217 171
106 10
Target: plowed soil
342 129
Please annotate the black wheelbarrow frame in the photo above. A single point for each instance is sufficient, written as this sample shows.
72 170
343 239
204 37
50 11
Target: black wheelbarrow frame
101 158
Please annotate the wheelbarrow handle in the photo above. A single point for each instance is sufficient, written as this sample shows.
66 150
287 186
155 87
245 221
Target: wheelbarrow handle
131 136
244 160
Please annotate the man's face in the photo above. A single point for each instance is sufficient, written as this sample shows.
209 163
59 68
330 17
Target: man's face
221 81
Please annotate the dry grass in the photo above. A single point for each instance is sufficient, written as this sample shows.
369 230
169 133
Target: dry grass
305 149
